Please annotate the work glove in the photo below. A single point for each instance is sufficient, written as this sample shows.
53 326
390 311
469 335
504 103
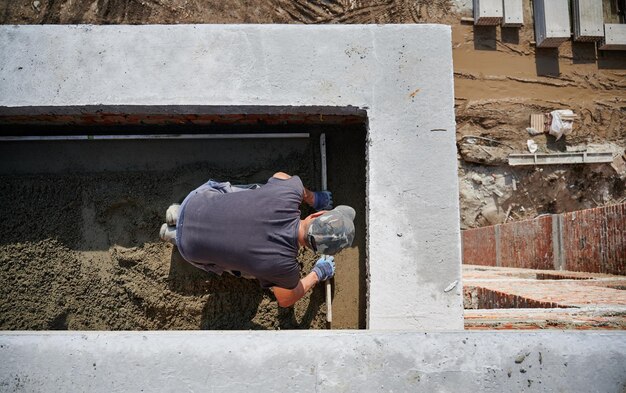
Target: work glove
325 267
323 200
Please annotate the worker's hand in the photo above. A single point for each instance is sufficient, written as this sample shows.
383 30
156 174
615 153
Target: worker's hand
325 267
323 200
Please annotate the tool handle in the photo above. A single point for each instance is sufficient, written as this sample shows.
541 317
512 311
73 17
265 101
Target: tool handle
329 307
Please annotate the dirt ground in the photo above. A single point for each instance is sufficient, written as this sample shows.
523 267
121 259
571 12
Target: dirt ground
219 11
500 79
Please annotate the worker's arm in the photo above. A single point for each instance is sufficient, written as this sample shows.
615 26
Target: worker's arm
321 200
323 270
288 297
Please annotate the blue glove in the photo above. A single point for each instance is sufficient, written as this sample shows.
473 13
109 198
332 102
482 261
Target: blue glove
323 200
325 267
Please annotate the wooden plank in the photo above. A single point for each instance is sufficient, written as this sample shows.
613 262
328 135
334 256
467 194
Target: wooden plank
538 121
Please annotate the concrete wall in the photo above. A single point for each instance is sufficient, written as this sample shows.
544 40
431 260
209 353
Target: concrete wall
313 361
592 240
401 75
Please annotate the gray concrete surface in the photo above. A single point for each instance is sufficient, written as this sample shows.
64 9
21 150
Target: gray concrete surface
401 75
317 361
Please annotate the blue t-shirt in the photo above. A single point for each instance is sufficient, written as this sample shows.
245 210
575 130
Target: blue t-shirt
254 232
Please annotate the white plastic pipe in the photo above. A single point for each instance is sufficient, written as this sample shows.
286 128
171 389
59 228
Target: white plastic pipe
154 136
329 308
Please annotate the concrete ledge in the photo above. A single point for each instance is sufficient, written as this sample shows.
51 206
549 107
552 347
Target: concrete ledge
401 75
312 361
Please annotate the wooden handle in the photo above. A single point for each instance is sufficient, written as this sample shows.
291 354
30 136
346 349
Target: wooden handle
329 307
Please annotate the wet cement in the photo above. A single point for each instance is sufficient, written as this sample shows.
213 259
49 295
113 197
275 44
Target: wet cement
80 250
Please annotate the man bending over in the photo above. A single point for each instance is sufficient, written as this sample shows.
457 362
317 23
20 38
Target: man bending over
255 232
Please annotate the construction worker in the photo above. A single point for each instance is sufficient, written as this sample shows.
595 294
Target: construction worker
255 232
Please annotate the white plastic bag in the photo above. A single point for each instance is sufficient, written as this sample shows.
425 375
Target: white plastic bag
559 126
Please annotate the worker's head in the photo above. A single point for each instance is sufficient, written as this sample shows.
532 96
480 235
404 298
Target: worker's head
331 231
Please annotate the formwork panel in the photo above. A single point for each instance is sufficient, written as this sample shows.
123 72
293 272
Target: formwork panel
488 12
552 22
614 37
524 244
588 19
594 240
513 13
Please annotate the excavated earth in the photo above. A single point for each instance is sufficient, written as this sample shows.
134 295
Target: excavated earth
81 251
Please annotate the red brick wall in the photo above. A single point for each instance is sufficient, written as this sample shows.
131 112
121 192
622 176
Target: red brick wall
484 298
527 244
592 240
